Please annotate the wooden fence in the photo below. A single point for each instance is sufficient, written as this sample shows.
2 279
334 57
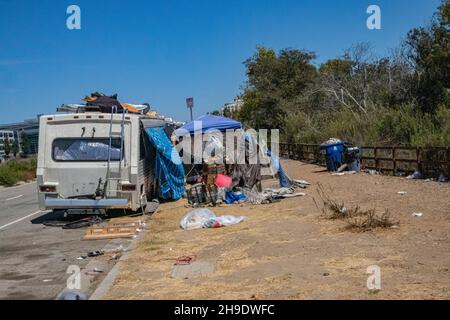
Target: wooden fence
389 160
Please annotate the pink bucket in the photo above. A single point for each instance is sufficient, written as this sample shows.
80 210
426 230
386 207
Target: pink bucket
223 181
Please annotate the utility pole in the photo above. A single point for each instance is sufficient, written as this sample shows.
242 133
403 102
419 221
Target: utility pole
190 105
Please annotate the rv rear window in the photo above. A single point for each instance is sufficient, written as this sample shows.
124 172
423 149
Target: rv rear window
85 149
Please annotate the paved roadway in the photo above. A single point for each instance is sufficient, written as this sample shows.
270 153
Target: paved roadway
34 258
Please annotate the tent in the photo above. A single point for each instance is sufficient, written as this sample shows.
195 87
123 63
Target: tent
169 170
208 122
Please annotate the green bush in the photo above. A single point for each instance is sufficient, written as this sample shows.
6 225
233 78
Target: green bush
14 171
8 177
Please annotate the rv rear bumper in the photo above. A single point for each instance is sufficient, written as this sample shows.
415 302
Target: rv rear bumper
54 203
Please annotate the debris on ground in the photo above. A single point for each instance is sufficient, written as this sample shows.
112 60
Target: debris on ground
415 175
442 178
205 218
72 295
343 173
77 224
114 229
185 260
271 195
402 193
234 197
95 254
417 214
372 172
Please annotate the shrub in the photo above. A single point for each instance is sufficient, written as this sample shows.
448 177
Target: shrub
14 171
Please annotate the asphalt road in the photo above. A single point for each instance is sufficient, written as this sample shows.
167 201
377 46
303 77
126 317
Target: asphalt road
34 258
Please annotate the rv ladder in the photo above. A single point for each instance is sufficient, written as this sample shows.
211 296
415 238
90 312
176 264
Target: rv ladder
120 135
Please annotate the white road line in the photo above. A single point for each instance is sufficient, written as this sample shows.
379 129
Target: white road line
16 187
14 198
18 220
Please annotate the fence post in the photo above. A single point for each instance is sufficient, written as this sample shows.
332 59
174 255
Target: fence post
375 155
419 158
394 162
448 162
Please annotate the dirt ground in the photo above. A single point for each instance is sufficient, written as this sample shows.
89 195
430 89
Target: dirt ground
286 250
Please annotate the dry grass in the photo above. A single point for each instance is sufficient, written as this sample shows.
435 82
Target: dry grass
331 208
357 219
365 220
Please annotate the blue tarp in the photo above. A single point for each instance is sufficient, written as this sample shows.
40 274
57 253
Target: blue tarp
169 170
209 122
285 181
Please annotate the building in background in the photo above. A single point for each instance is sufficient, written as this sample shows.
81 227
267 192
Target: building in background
231 107
5 135
30 127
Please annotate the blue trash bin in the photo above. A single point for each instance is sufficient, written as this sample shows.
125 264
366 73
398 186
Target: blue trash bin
333 155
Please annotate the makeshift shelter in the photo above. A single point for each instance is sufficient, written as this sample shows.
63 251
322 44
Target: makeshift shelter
169 170
209 122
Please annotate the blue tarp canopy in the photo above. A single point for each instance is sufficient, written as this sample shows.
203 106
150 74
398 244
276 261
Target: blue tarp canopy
208 122
169 170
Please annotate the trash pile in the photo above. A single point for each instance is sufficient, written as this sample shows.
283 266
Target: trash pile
341 156
232 179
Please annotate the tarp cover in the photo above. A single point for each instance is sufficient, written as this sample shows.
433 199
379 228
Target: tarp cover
209 122
169 170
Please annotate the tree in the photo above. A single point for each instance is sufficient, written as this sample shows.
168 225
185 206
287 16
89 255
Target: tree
25 143
15 148
7 147
273 80
428 51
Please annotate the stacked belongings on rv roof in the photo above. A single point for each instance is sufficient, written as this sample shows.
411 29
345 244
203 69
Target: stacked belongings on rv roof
226 163
99 102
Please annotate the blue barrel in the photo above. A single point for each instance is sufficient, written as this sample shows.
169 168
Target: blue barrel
333 155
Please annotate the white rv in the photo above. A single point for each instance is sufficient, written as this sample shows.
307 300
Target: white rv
93 161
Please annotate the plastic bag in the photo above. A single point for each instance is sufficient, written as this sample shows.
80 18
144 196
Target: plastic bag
205 218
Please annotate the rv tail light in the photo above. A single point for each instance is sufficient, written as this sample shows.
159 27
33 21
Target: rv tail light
47 189
128 187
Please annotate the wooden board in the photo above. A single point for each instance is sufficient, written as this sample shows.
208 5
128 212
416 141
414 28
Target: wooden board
107 236
109 232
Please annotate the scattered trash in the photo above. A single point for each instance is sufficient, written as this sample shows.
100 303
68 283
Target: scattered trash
95 254
343 173
234 197
415 175
98 270
373 172
402 193
72 295
119 248
417 214
442 178
185 260
47 280
81 258
82 223
205 218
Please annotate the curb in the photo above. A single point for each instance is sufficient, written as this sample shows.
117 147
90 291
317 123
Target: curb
107 282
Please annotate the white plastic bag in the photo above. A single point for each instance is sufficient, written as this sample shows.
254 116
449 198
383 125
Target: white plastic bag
205 218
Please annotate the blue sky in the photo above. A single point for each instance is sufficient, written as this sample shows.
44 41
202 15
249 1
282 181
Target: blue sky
164 51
